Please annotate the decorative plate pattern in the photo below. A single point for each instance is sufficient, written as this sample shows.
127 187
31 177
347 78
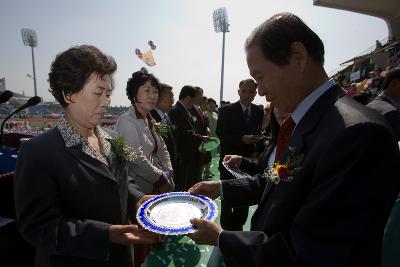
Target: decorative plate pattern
170 213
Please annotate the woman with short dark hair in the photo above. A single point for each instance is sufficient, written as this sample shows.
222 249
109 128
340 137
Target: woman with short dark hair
152 170
74 199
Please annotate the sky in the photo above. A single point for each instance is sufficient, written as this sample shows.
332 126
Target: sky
188 50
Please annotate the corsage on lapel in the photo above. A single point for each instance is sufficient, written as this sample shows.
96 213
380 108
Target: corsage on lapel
285 171
161 128
122 150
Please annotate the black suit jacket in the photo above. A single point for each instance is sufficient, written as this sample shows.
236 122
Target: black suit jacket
334 211
256 166
187 139
231 127
66 201
201 123
384 107
170 141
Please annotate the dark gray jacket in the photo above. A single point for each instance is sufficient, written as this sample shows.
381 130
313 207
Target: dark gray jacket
66 201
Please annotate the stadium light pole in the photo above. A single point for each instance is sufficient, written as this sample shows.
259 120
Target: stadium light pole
29 38
220 19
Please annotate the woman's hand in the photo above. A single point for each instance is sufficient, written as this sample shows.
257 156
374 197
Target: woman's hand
165 183
131 234
142 200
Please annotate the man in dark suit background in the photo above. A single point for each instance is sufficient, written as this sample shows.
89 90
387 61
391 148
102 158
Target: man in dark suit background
160 114
188 140
329 200
201 126
237 124
199 123
388 102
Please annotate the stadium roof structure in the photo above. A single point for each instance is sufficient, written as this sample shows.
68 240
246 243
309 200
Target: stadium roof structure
386 47
389 10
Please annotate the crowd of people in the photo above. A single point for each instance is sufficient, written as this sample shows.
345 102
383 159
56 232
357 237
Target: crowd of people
323 184
369 84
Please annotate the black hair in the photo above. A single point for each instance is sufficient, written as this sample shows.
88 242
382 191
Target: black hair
212 100
138 79
241 83
276 35
163 87
71 69
187 90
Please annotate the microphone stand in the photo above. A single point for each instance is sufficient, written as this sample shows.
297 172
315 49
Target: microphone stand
5 96
31 102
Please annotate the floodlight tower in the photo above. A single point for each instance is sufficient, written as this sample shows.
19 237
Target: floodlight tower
220 19
29 38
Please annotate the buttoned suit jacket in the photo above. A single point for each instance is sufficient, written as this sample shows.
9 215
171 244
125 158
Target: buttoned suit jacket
334 210
169 140
66 201
231 127
187 139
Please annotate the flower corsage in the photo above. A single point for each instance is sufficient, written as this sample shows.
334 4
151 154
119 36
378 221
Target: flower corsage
285 171
123 150
161 129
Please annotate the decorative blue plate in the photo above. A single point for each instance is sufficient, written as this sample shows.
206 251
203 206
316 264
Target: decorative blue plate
170 213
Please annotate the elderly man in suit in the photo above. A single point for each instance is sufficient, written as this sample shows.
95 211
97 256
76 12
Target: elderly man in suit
160 114
237 125
201 127
388 102
326 200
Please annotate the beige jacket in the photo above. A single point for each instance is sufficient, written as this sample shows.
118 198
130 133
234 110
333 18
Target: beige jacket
148 167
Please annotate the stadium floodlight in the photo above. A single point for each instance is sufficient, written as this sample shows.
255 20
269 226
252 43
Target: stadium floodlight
29 39
220 20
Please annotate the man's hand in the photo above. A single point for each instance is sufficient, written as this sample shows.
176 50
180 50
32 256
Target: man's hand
209 189
248 139
207 232
233 160
131 234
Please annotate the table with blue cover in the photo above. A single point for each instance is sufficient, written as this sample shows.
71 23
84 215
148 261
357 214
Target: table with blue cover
11 242
8 160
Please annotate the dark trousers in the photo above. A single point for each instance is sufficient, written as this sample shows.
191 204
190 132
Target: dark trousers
176 168
189 174
232 219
